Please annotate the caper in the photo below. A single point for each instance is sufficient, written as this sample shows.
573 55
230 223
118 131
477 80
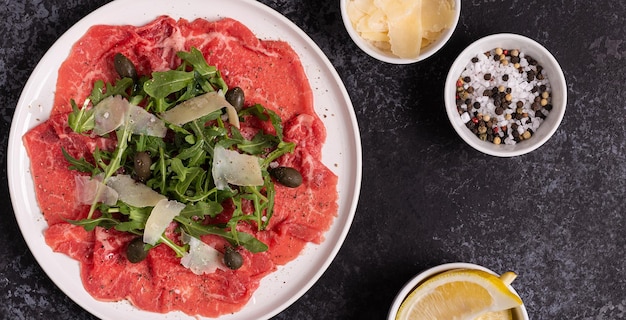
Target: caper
235 97
233 258
142 163
287 176
135 251
124 67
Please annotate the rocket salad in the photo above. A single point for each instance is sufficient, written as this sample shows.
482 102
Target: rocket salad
173 140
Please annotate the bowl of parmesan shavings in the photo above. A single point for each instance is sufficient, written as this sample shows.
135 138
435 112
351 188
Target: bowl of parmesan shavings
400 32
505 95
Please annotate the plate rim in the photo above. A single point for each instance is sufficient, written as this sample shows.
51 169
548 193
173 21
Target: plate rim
17 130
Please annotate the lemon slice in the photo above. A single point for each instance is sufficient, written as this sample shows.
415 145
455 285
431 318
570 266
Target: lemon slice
497 315
458 295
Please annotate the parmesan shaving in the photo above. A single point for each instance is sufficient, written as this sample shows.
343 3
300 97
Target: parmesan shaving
402 27
233 167
90 190
202 258
134 193
201 106
109 114
114 112
160 217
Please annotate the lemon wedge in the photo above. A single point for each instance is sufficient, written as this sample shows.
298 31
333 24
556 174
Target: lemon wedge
459 295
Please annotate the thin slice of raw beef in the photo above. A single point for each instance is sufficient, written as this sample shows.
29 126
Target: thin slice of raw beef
270 73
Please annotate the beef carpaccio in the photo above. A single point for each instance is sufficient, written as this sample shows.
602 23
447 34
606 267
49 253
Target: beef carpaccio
270 73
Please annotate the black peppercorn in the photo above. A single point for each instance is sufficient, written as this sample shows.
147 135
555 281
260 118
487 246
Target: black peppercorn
535 106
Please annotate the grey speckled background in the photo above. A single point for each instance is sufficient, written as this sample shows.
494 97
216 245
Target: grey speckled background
555 216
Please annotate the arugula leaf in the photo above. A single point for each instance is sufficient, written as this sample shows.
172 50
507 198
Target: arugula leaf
101 90
136 218
81 120
90 224
196 229
164 83
81 164
181 161
282 148
202 209
195 58
264 114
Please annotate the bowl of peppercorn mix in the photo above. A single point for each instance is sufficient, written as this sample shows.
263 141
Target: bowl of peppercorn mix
505 95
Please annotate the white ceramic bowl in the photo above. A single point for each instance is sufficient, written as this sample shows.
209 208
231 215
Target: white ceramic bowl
519 313
388 57
551 68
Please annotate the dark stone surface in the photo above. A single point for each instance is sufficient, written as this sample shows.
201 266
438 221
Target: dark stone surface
554 216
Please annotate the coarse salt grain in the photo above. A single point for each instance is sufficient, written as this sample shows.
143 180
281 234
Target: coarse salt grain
518 95
465 117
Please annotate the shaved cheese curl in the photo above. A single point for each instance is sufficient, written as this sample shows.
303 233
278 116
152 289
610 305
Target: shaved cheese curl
134 193
90 190
202 258
161 216
235 168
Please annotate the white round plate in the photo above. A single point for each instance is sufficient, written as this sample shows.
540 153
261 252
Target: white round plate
341 153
